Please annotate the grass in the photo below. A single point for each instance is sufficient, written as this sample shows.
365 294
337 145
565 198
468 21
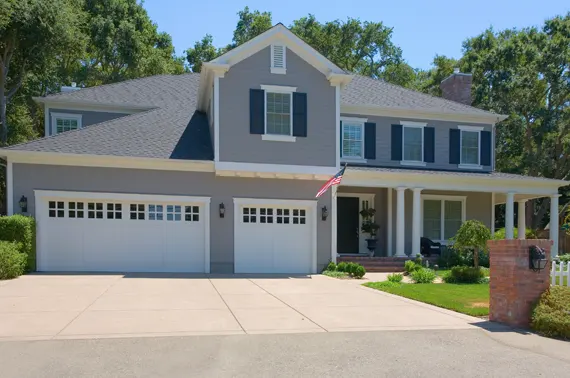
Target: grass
335 274
470 299
442 272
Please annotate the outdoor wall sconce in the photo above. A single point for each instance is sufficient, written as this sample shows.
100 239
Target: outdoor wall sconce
324 213
536 258
222 210
23 204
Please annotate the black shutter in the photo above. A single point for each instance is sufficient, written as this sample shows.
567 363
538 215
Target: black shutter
299 114
429 144
256 111
370 140
454 146
340 138
486 148
397 142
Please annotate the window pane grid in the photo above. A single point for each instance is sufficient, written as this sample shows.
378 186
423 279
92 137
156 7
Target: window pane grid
442 218
469 147
278 113
413 144
352 140
66 124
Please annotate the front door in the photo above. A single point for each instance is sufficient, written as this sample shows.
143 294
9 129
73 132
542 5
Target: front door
348 227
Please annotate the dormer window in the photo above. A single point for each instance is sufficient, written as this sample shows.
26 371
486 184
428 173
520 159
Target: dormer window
278 59
62 122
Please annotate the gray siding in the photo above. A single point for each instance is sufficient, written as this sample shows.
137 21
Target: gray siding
28 177
89 117
238 145
383 141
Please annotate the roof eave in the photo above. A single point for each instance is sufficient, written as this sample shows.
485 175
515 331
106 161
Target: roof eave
54 100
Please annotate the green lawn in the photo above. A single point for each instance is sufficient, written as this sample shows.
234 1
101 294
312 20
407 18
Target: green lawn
470 299
441 272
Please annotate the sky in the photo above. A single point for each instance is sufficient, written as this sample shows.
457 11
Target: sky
422 28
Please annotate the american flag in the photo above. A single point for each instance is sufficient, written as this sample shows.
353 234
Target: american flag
335 180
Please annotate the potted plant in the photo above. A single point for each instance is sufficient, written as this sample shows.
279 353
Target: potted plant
371 228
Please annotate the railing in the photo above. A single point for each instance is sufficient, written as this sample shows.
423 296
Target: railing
560 274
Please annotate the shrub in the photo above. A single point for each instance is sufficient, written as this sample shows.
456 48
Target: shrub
351 268
358 271
564 258
423 275
501 233
410 266
419 259
12 261
395 277
450 257
464 274
331 267
341 267
472 237
22 230
551 317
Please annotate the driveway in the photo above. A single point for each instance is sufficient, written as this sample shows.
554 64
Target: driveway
42 306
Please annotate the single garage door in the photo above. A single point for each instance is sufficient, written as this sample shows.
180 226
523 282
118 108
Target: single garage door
121 232
274 236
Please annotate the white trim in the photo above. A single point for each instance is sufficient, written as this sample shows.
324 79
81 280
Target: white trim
412 125
310 204
443 198
334 224
385 111
9 188
359 123
278 70
71 116
370 197
71 103
389 241
521 221
416 221
554 224
216 118
275 168
40 195
278 88
493 214
338 126
51 158
470 129
353 119
400 221
278 138
353 160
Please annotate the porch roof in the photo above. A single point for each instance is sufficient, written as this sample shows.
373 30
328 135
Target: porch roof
524 186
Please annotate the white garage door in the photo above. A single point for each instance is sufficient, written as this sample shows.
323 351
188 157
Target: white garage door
121 232
274 236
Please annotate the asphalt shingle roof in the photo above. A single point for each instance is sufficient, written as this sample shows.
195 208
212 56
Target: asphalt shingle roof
367 91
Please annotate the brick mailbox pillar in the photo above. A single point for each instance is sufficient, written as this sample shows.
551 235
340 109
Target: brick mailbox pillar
515 288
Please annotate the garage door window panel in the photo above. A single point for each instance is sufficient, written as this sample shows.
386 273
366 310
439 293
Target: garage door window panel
56 209
299 216
192 213
114 211
283 216
137 211
265 215
76 209
156 212
174 213
249 215
95 210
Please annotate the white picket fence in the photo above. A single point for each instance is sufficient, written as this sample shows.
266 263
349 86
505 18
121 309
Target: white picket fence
558 272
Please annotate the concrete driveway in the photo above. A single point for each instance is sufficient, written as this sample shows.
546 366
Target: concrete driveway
43 306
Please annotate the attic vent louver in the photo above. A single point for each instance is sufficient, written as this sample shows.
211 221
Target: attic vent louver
278 59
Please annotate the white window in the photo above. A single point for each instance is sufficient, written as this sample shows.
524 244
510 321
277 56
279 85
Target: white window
278 113
62 122
413 143
278 61
352 138
95 210
442 216
470 146
114 211
137 211
56 209
173 213
192 213
155 212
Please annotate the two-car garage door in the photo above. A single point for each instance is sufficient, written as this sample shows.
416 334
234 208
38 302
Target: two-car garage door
122 232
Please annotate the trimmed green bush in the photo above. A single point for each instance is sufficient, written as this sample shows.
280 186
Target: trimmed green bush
395 277
501 234
410 266
331 267
22 230
351 268
12 261
464 274
358 271
423 275
450 257
551 317
341 267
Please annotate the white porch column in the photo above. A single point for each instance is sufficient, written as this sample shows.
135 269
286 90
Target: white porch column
493 213
389 244
400 223
9 188
416 225
334 220
521 226
554 226
509 216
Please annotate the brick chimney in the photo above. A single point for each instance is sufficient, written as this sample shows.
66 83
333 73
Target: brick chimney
457 87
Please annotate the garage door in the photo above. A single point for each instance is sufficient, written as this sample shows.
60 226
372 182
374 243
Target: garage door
121 232
276 236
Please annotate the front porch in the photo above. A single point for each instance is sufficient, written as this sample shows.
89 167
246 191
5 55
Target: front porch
411 204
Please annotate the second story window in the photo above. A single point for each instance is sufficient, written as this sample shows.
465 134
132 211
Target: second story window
278 113
352 140
413 143
62 122
470 145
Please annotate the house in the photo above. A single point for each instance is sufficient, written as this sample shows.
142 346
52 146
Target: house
218 171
